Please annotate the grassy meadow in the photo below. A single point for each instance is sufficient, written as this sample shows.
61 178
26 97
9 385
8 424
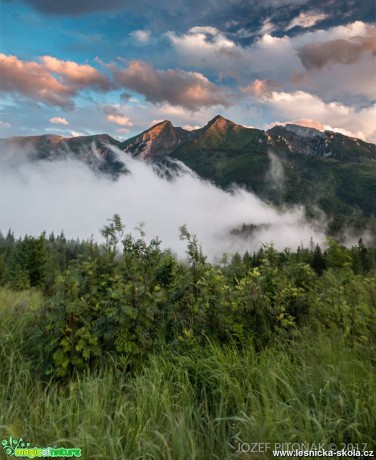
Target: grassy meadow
137 355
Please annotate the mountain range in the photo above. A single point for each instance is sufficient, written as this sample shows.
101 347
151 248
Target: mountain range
326 172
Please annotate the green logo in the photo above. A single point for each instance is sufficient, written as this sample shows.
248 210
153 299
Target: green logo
9 445
21 448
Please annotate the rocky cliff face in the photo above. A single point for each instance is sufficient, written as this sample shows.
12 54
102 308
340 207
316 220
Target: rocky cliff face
309 141
222 134
157 141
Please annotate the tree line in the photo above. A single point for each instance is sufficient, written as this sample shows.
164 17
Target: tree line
126 297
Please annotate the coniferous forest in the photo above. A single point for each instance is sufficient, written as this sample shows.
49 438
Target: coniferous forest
123 350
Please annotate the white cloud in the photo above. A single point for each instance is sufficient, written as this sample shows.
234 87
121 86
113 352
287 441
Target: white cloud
142 37
68 195
309 123
206 30
119 120
190 127
5 124
76 134
156 121
114 115
334 115
277 58
59 121
267 27
122 130
268 56
307 19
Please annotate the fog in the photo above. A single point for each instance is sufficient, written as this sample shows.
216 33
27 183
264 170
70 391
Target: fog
67 195
276 174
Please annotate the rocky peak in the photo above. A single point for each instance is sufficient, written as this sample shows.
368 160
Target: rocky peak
219 123
158 140
157 129
164 124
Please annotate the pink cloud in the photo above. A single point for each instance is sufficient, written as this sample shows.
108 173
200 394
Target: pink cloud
309 110
191 90
260 87
115 116
50 81
78 75
59 121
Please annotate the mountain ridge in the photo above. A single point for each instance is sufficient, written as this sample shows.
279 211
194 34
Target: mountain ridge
323 171
160 139
174 136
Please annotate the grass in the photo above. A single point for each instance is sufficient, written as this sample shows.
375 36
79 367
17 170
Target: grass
196 404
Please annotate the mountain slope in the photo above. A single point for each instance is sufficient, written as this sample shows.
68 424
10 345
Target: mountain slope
93 150
159 140
292 165
310 141
286 165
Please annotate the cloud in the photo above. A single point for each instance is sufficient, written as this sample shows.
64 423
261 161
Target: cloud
191 128
76 7
267 27
206 30
33 80
67 195
284 58
119 120
207 41
156 121
162 12
335 115
59 121
191 90
271 64
5 124
309 123
259 88
76 134
320 54
115 116
122 131
307 19
243 19
50 81
142 37
77 76
208 48
324 56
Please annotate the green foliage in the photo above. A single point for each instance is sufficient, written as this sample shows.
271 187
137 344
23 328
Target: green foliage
128 298
127 352
26 264
200 403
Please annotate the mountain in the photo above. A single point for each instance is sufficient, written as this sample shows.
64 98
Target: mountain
310 141
327 172
222 134
291 165
324 171
93 150
162 139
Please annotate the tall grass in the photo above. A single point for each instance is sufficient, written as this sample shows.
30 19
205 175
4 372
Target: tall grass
197 404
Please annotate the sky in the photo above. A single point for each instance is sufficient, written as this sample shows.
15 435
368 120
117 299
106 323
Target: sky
119 66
